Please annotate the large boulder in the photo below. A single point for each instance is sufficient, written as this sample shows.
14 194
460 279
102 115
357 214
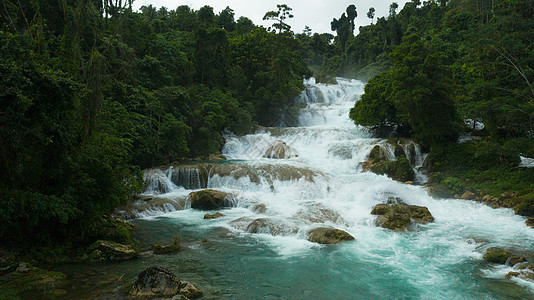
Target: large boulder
110 251
209 199
324 235
496 255
158 282
397 215
280 150
399 169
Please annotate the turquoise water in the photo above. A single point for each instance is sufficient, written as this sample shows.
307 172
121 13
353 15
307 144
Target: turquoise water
323 186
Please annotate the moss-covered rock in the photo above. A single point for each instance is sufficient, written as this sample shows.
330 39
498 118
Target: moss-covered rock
399 169
158 248
209 199
158 282
29 282
109 251
496 255
397 215
328 236
117 230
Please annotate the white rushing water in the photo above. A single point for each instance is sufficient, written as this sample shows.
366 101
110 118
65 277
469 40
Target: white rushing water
322 184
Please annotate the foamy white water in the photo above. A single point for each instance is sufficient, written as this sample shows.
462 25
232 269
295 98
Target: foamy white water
324 186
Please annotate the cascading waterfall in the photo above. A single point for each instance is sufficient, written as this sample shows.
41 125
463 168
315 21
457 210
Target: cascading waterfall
278 200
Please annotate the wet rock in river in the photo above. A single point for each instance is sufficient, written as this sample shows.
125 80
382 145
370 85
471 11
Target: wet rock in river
397 215
110 251
328 236
213 216
496 255
209 199
158 282
280 150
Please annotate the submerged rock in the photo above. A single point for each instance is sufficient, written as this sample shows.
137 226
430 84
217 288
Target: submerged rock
318 213
157 248
213 216
158 282
324 235
259 208
280 150
269 226
397 215
496 255
209 199
109 251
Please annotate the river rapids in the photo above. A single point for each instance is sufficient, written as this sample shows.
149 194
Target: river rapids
317 181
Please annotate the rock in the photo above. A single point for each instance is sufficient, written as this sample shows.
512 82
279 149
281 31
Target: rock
524 266
209 199
409 182
399 169
318 213
342 150
468 195
109 251
328 236
515 259
512 274
279 150
377 155
259 208
158 282
213 216
165 249
397 215
530 222
496 255
216 157
269 226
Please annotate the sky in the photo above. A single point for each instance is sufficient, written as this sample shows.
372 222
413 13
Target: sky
317 14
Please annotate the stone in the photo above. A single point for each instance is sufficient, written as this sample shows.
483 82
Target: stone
259 208
515 259
530 222
468 195
165 249
496 255
328 236
280 150
399 169
269 226
213 216
208 199
159 282
512 274
397 215
109 251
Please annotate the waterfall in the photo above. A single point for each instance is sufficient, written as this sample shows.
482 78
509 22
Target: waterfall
315 179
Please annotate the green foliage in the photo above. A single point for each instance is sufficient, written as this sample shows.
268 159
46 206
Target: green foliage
93 92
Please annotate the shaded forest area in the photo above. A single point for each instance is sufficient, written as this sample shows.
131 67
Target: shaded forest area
92 92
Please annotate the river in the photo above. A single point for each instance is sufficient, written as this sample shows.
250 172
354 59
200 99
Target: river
321 184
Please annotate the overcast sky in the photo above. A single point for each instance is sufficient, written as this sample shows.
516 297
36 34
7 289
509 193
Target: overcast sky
317 14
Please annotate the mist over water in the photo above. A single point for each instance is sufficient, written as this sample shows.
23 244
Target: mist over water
322 184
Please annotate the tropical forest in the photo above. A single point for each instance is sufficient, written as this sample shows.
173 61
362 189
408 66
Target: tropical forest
184 152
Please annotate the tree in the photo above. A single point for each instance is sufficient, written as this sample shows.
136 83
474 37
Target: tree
280 16
226 19
351 15
393 9
371 14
